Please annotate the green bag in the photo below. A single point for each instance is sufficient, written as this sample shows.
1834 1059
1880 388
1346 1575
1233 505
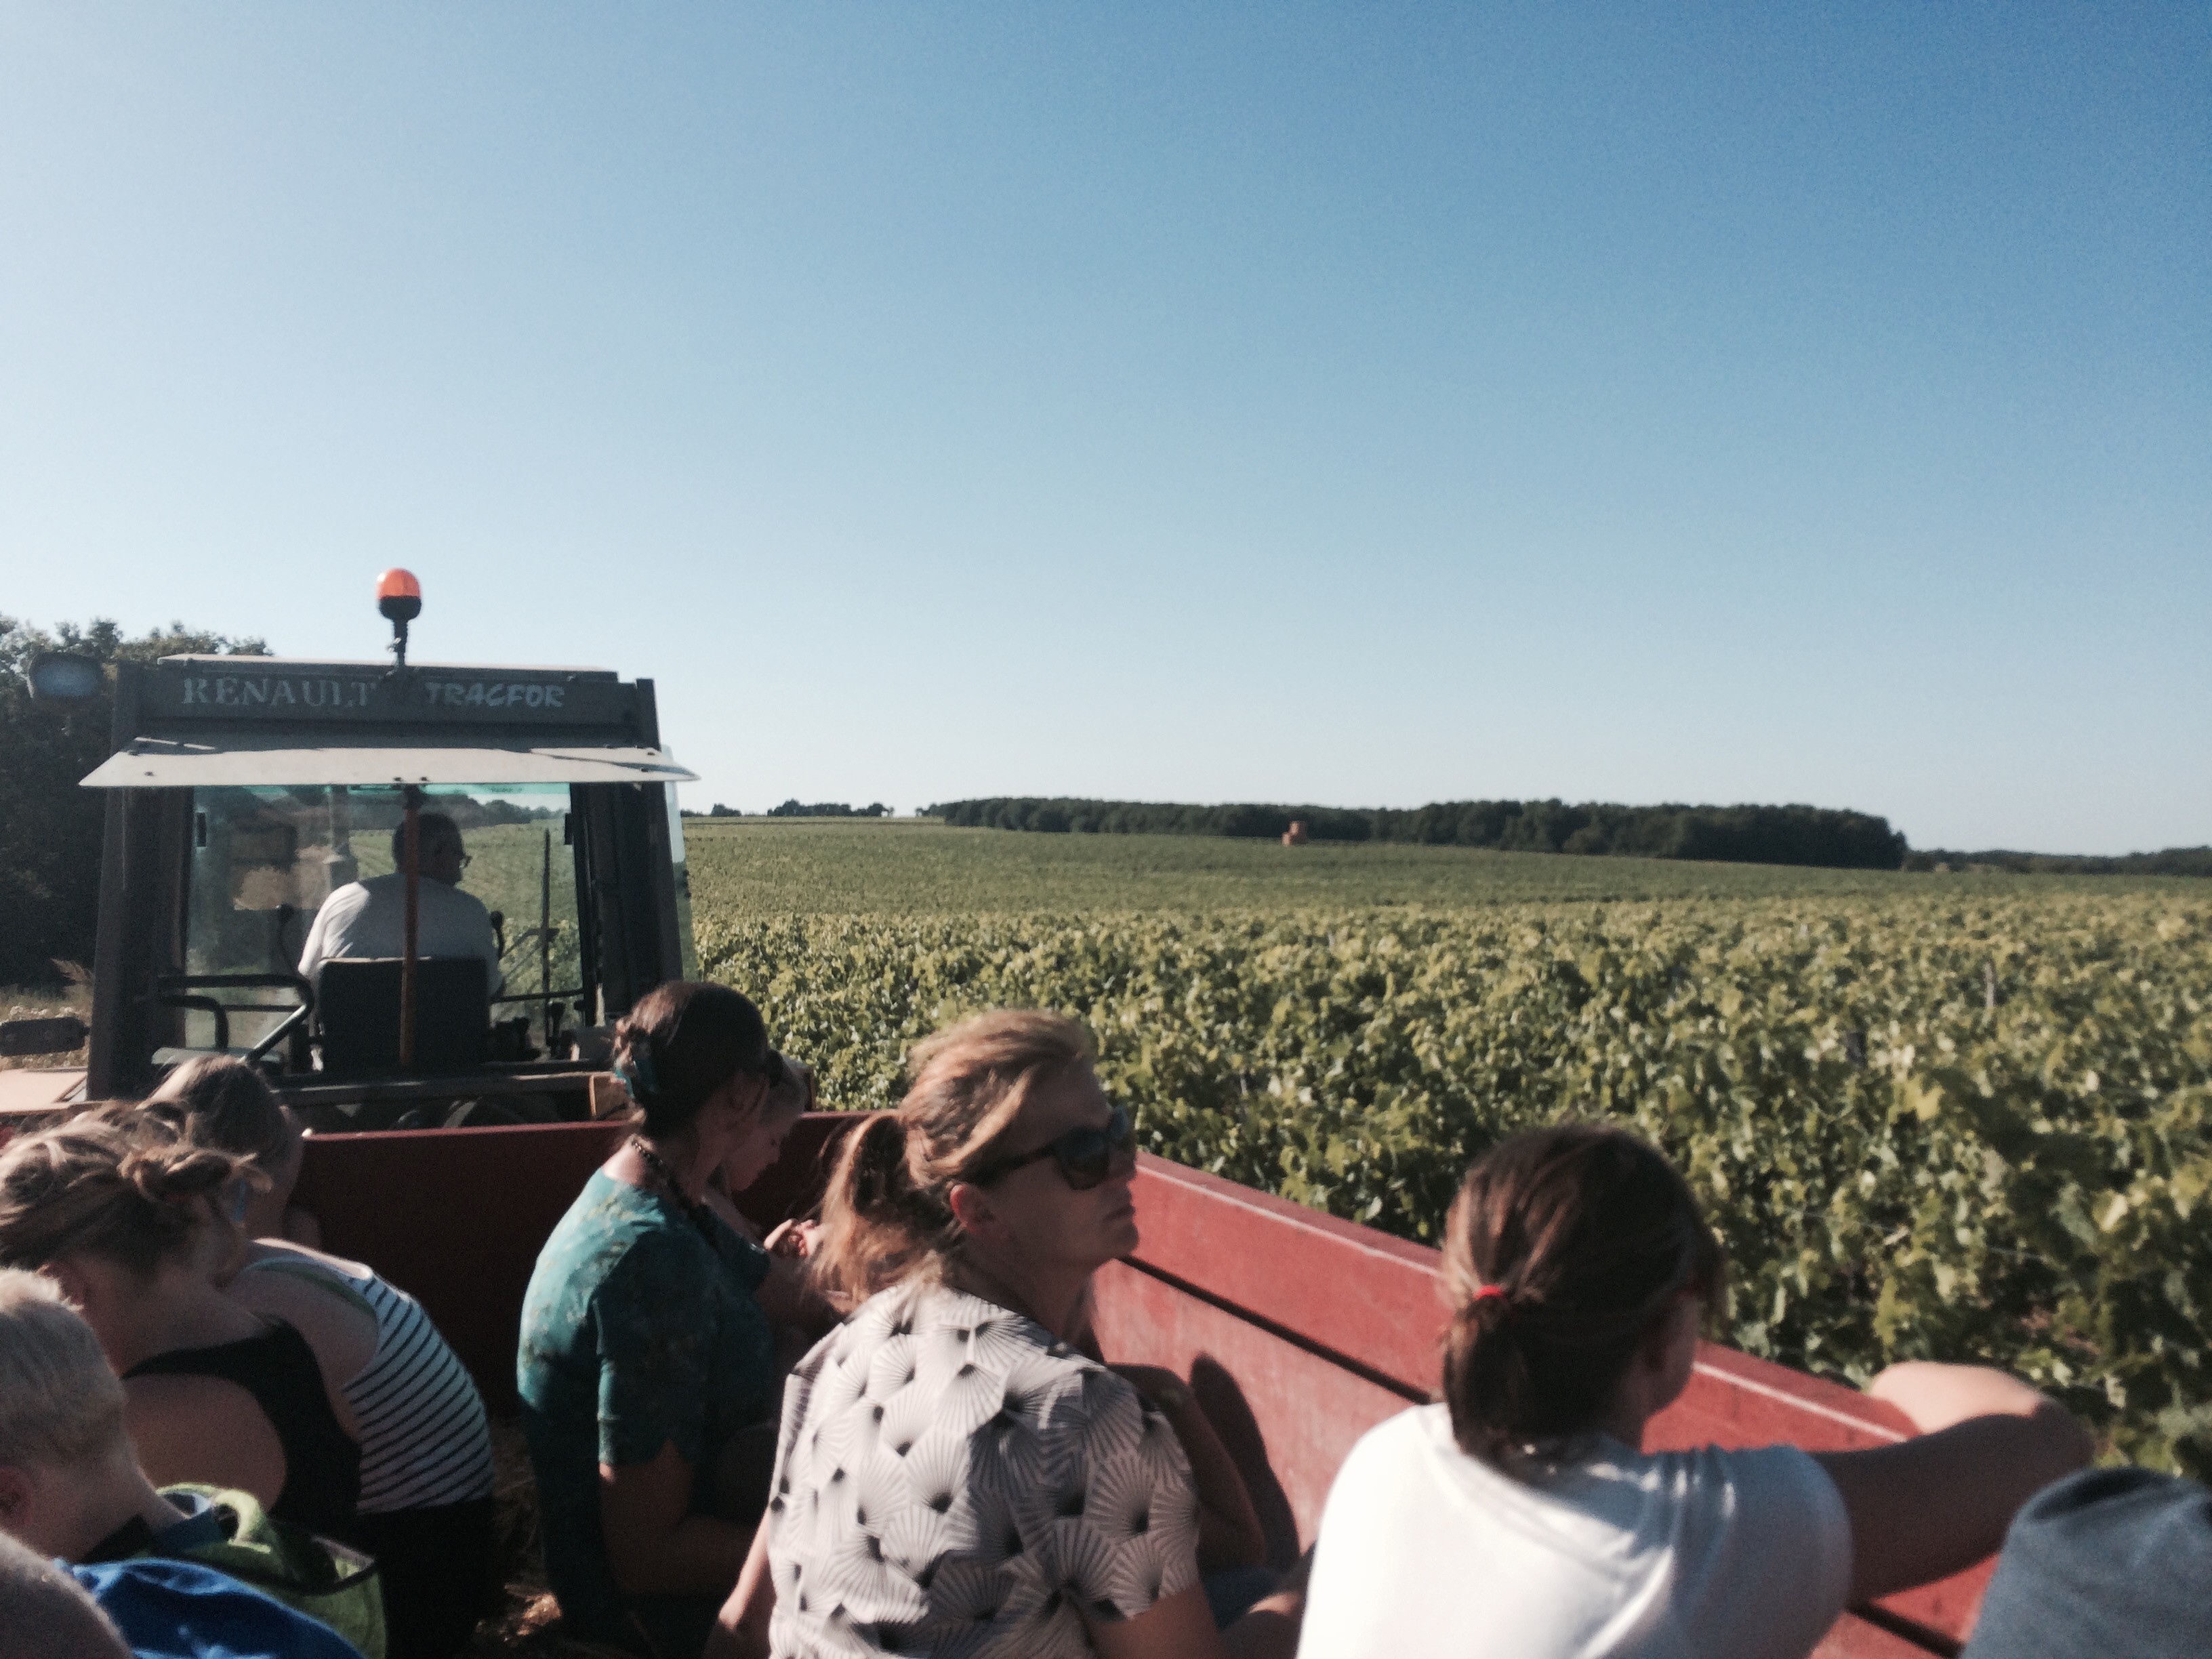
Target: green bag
307 1572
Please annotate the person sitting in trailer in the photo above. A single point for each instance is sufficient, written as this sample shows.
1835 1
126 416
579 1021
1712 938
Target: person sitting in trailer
2112 1561
425 1510
369 918
794 1302
137 1229
1523 1515
71 1488
952 1475
645 1354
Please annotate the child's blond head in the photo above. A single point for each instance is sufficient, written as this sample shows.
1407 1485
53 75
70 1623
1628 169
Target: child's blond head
60 1405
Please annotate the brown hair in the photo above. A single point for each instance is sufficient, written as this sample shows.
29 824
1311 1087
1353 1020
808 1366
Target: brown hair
683 1041
92 1185
1563 1250
886 1217
225 1103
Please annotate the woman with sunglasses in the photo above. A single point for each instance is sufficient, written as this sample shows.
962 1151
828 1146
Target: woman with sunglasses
951 1469
644 1351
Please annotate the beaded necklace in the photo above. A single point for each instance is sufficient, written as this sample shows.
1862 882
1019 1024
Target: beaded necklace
701 1217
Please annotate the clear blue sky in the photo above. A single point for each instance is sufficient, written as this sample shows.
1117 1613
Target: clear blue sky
1362 405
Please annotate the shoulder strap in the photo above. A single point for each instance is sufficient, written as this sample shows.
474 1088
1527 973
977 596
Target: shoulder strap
312 1272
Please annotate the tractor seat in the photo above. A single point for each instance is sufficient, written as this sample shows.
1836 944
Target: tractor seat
357 1013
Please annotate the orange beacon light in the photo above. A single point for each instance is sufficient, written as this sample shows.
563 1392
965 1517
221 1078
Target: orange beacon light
399 598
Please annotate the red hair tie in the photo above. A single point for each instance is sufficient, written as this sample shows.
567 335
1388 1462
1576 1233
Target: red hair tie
1484 1292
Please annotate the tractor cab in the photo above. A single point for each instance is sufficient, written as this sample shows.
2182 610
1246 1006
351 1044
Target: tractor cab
499 849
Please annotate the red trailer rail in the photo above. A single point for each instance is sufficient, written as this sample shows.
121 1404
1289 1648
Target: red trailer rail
1300 1332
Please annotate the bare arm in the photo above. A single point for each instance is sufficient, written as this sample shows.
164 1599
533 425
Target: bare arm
655 1545
338 1326
1937 1503
741 1629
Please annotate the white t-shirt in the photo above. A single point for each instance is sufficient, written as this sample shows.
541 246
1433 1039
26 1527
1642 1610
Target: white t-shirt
369 918
1704 1554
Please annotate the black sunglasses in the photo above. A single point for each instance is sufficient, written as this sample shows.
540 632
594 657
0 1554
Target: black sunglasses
1086 1156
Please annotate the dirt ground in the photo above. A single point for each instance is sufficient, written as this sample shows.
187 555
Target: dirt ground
526 1623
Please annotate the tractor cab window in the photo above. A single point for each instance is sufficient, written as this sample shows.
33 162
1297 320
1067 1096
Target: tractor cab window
264 861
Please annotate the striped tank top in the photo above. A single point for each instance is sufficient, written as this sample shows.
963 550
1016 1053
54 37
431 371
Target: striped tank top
424 1440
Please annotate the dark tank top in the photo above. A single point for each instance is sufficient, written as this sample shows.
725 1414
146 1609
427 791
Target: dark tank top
322 1462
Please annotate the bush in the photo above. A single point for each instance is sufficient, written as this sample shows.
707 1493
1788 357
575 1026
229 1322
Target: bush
1971 1132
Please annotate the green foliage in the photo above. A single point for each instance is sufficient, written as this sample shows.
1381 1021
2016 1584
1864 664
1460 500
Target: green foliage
1926 1127
50 829
902 866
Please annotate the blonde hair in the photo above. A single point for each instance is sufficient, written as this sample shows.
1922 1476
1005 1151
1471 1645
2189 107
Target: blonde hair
887 1218
126 1194
60 1405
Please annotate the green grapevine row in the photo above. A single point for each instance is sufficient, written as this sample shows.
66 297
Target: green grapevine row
1978 1129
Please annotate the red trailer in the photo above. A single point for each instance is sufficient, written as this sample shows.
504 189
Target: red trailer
1298 1332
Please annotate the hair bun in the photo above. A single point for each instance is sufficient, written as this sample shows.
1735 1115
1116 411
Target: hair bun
176 1172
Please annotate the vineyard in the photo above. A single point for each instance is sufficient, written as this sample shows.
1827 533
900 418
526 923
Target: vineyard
1941 1122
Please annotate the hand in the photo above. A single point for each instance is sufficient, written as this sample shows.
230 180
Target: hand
794 1239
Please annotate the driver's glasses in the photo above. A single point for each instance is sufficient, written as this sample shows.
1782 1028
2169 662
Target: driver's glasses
1086 1156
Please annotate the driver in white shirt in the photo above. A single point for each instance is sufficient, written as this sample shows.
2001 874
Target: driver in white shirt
369 918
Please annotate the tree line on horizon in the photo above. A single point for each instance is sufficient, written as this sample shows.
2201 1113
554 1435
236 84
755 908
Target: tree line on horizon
1823 837
1744 834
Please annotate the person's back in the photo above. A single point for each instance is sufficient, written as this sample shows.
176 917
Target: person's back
426 1469
368 919
2109 1561
1688 1553
1522 1516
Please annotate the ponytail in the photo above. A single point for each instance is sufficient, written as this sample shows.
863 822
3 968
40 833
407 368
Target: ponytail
887 1217
878 1227
1563 1249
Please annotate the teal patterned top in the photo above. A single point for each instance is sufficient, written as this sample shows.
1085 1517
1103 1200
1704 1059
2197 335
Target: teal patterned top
639 1328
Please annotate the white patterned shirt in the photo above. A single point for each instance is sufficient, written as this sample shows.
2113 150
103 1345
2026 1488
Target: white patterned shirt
952 1481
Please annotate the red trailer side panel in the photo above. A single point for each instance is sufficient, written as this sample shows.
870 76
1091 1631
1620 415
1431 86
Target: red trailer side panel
1300 1332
